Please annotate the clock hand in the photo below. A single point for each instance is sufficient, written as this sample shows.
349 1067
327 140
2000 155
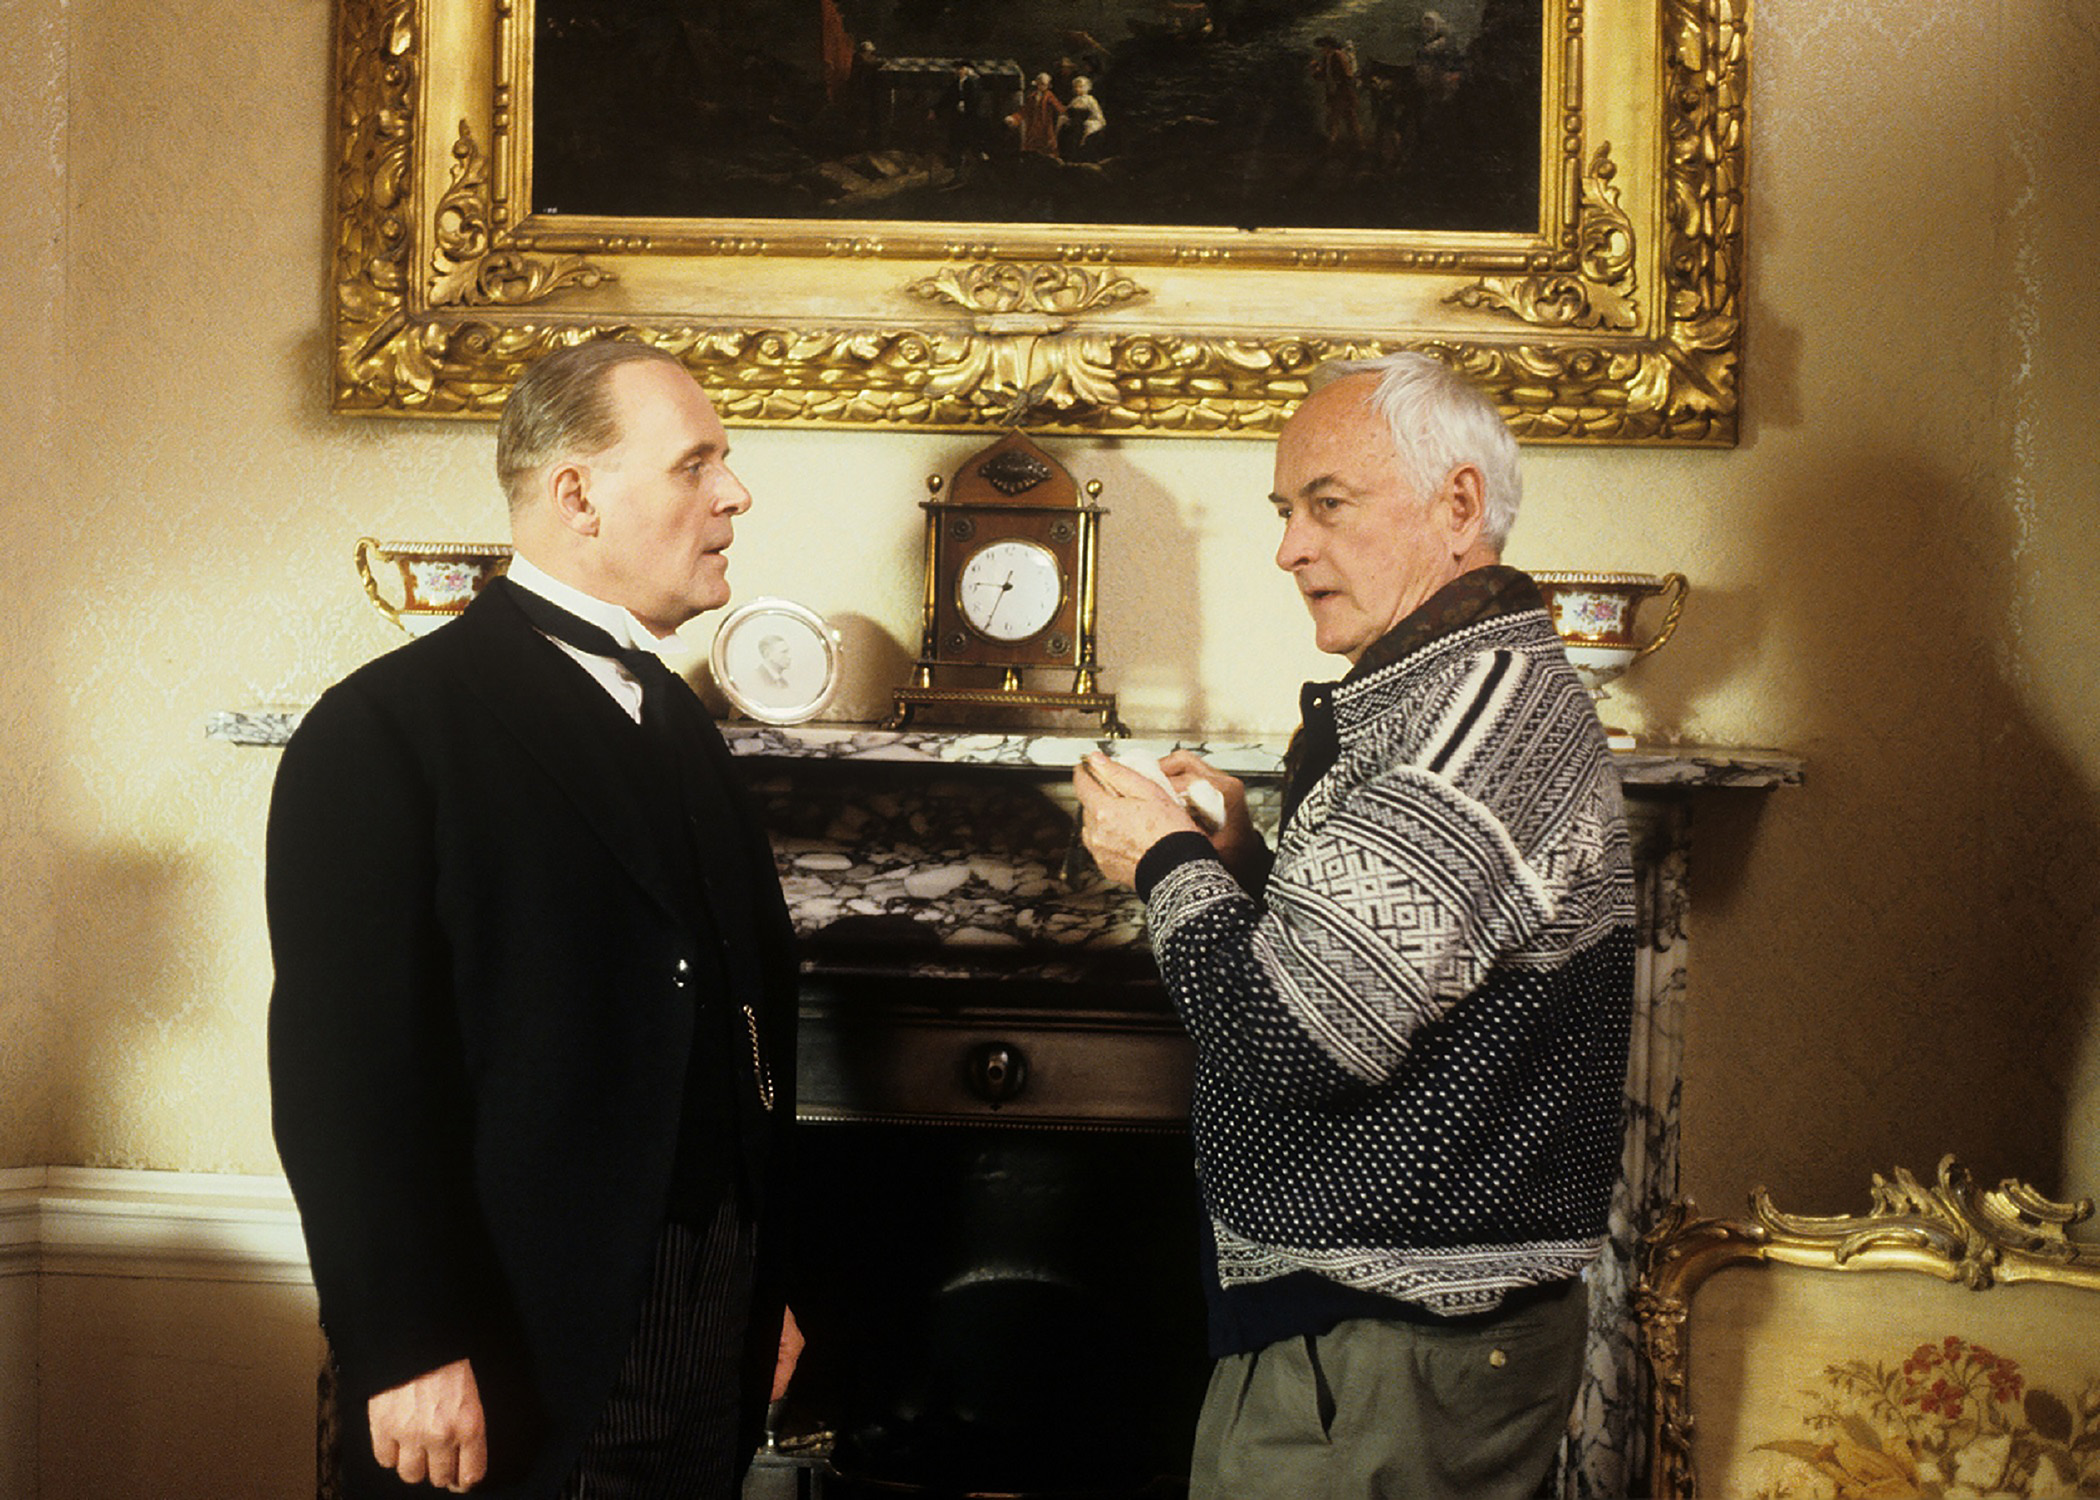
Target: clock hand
992 613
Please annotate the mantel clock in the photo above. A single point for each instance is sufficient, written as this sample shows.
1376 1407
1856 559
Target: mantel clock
1011 551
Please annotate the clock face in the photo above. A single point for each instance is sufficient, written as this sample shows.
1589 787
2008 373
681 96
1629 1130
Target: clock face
1010 590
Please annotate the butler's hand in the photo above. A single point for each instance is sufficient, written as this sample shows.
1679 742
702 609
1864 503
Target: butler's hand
1125 814
790 1353
431 1429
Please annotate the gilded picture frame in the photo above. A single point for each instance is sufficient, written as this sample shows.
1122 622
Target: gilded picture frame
1617 319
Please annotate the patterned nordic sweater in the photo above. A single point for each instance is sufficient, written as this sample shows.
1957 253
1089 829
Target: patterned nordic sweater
1411 1051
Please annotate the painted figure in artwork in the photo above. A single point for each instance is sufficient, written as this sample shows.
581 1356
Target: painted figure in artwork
1038 117
1334 67
1084 120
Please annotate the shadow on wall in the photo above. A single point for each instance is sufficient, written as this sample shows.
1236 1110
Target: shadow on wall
873 662
1716 642
117 945
1724 632
2039 950
1151 596
1924 986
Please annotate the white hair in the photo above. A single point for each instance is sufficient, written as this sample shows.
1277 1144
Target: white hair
1440 421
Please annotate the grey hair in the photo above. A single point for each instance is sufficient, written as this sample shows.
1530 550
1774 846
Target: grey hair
1440 421
563 408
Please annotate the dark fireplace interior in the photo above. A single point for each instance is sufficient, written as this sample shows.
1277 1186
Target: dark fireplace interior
998 1248
997 1214
1000 1311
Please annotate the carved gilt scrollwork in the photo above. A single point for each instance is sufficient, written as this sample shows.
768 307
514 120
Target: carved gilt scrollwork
440 304
1953 1230
1965 1231
1602 295
1704 86
374 135
1025 349
1050 289
469 268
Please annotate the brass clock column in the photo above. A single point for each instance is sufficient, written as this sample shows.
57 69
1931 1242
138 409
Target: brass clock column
1011 553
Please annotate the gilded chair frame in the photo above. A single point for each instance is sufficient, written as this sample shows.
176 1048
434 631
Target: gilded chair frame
1953 1230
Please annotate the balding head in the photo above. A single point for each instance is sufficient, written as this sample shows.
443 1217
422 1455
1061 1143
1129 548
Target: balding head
562 408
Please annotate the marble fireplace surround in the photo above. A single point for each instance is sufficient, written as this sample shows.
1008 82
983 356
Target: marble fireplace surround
950 850
949 854
959 843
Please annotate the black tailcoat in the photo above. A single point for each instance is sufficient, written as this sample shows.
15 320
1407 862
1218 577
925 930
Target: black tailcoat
490 956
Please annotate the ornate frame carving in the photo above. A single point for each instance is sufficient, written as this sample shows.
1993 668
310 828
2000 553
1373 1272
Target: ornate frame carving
1619 322
1953 1230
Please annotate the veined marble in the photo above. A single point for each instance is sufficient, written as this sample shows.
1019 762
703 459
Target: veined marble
1606 1445
1250 759
879 861
1042 752
873 853
253 726
1703 766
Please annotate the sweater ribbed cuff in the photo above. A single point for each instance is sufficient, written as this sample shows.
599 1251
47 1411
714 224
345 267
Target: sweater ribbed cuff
1169 855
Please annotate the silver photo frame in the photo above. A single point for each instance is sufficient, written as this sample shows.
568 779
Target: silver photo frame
776 661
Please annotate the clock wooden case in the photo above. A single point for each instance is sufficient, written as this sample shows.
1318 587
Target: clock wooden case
1011 553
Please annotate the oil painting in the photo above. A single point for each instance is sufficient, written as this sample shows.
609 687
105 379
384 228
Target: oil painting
1226 114
1146 217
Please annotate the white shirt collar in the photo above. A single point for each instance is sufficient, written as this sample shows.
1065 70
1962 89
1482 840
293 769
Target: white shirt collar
629 633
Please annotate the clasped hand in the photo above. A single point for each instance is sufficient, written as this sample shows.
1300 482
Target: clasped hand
1124 814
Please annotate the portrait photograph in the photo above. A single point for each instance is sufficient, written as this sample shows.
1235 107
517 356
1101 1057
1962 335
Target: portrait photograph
775 661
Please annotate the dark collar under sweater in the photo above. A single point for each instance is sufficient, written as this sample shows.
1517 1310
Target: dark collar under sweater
1478 594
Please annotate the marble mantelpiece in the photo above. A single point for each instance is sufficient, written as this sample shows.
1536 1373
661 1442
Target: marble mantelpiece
902 836
1254 758
1686 766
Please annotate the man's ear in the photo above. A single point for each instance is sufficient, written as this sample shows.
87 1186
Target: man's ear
568 489
1463 503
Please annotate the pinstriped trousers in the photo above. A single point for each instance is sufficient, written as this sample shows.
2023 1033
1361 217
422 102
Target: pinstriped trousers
668 1430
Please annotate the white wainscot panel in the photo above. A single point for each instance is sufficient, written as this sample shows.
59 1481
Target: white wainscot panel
158 1338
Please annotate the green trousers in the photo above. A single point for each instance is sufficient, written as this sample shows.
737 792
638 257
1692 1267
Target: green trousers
1388 1410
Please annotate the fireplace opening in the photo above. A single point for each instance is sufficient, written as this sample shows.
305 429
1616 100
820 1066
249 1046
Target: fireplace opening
996 1224
993 1310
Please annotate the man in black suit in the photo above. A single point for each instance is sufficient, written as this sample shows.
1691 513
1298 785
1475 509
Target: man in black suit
532 1036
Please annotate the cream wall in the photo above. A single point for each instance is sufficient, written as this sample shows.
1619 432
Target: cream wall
1891 575
32 123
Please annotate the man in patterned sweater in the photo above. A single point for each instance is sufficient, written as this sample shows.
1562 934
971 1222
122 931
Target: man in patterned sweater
1411 1019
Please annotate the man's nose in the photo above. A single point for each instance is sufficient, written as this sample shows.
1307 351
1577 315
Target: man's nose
735 499
1295 550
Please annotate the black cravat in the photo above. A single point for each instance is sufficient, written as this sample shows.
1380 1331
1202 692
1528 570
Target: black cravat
690 748
659 683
